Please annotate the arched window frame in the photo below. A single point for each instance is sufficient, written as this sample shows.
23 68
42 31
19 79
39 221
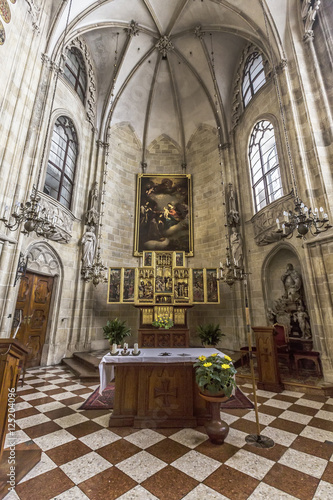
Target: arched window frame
63 166
253 76
238 106
75 72
265 174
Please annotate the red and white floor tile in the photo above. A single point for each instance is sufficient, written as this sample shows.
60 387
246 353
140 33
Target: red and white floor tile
83 459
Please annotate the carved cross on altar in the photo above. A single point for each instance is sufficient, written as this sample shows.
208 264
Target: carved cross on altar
164 392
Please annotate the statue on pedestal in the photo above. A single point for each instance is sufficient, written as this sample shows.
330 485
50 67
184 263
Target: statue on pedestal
236 246
88 247
292 282
92 212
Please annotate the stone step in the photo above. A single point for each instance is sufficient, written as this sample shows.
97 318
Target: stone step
81 370
87 359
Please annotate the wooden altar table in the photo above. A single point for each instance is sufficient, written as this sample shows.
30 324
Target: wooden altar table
155 391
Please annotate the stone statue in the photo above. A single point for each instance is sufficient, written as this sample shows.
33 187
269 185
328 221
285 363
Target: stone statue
271 315
236 247
88 246
310 18
292 282
233 215
303 320
306 4
92 213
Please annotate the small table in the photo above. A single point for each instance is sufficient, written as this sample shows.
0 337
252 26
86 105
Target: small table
156 390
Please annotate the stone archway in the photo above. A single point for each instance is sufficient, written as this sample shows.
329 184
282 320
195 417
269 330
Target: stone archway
285 293
44 260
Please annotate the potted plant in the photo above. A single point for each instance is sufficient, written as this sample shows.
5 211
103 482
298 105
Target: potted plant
163 321
115 331
210 334
215 375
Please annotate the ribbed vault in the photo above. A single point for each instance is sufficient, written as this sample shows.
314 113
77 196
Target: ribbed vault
155 61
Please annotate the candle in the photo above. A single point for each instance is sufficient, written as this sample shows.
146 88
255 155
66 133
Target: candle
136 348
284 228
125 346
114 348
278 223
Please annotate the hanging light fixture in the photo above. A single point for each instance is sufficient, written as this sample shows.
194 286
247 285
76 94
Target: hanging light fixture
96 273
303 219
229 271
33 217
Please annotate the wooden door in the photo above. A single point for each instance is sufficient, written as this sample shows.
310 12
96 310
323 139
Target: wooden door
34 298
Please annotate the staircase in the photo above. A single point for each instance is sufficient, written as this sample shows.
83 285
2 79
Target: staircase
84 365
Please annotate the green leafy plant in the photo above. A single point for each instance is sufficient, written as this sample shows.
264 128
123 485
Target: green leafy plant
210 334
163 321
115 331
215 373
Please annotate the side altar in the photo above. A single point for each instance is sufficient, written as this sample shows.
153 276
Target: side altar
163 286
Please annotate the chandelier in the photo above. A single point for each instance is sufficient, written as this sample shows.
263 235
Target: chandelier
33 217
302 218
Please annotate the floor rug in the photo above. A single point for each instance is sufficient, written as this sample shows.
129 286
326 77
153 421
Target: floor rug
97 401
104 401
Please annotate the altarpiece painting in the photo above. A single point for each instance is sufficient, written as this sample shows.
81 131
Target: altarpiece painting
164 214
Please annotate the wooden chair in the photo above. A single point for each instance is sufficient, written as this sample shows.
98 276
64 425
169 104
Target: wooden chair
244 352
282 343
313 356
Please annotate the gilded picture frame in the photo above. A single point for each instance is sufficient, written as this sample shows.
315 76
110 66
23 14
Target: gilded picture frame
148 259
164 220
114 285
179 259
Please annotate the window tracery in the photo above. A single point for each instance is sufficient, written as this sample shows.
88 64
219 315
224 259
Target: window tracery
253 76
264 165
75 72
60 173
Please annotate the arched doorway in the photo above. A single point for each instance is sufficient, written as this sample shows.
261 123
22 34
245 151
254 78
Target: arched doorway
37 301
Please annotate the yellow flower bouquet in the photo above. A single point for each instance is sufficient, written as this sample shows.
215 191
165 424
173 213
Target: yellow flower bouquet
163 321
214 374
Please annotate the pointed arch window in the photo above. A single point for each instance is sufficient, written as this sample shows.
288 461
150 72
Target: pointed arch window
253 77
264 164
61 165
75 72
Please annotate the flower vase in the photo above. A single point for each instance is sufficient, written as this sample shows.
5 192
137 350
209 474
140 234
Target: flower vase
217 429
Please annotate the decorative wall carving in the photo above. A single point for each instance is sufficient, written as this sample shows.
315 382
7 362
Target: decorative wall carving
34 11
233 214
290 309
91 90
42 260
198 32
64 219
92 213
133 29
164 45
264 222
309 11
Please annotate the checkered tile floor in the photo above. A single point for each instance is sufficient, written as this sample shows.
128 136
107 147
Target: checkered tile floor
83 459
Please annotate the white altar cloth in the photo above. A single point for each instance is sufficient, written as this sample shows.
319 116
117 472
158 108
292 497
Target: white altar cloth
180 355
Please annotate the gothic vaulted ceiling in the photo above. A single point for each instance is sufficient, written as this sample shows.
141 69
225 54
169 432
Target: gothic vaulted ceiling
155 60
